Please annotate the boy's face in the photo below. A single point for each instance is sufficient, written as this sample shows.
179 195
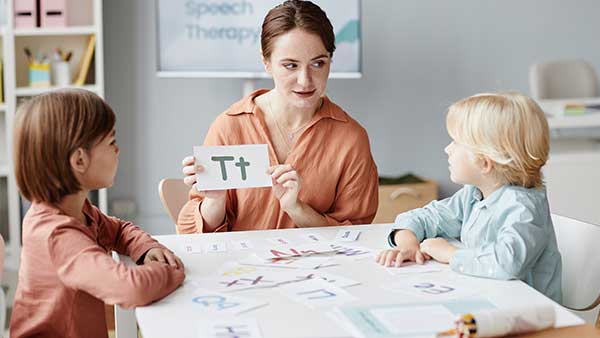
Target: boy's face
463 164
104 160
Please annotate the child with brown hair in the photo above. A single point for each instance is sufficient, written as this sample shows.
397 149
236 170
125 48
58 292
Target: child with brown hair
65 147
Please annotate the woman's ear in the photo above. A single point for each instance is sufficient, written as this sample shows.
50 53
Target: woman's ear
80 161
266 63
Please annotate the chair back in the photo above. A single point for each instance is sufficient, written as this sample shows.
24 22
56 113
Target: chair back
173 195
563 79
579 245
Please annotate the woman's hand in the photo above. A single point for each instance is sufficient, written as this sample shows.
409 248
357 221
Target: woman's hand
164 256
190 169
286 186
439 249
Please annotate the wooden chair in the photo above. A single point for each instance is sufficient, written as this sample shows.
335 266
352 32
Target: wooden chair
173 195
579 245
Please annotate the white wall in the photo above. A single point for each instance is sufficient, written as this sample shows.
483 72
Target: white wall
419 57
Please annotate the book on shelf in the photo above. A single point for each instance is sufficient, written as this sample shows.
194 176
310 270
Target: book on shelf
86 61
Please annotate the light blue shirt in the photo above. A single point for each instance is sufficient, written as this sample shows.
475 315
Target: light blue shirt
508 235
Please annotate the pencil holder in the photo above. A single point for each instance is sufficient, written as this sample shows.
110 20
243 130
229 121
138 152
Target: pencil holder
61 74
39 75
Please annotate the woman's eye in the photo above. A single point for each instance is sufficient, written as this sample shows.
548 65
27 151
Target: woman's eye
289 65
318 64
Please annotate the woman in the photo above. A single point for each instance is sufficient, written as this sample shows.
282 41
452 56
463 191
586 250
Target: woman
323 172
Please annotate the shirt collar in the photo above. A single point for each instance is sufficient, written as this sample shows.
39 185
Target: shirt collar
490 200
327 110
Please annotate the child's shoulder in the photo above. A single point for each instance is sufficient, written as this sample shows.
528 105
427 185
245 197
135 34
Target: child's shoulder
532 201
43 219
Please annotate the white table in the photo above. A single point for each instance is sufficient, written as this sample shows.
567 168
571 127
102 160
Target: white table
284 318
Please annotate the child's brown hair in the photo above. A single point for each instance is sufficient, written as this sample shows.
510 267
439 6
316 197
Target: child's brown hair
48 129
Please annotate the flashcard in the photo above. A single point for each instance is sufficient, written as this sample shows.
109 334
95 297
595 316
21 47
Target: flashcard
232 167
313 237
242 245
354 252
430 288
347 235
216 247
311 249
316 293
230 328
412 267
192 248
218 302
336 280
311 262
279 241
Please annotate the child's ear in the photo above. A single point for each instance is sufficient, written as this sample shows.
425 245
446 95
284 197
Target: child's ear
486 165
79 161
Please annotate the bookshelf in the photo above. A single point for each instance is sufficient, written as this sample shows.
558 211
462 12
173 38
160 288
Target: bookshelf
84 20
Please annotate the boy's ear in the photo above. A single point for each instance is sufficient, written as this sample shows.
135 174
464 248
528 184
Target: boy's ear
486 165
79 161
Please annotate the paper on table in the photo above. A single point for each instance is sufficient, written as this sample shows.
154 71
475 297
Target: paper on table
429 287
232 167
316 293
231 327
347 235
218 302
412 267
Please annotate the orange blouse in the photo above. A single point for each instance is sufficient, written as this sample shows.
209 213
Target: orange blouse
332 157
67 275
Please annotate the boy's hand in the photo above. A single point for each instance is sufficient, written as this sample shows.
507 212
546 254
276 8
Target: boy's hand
395 257
163 256
439 249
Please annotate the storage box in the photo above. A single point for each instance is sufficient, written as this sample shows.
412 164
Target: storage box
25 13
397 198
53 13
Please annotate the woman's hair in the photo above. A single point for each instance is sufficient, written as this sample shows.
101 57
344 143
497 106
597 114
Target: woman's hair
508 128
48 129
296 14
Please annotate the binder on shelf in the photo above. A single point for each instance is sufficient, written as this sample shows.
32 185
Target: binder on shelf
25 13
53 13
86 61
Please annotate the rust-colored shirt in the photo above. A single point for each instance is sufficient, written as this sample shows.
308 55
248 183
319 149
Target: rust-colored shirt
332 157
67 275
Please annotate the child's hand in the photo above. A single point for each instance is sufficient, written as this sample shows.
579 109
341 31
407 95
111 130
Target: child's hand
439 249
163 256
395 257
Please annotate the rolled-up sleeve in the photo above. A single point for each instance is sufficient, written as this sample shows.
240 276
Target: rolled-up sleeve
437 219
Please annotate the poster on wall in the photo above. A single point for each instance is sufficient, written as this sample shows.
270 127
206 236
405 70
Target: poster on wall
221 38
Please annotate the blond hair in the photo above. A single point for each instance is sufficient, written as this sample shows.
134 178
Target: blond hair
508 128
48 129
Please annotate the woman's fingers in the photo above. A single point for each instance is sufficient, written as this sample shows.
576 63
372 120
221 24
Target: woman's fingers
288 176
278 170
188 160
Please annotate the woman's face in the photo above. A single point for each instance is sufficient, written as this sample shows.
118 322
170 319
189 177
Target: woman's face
299 64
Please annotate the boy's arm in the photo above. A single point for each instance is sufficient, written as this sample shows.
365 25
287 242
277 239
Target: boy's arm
84 265
438 218
521 239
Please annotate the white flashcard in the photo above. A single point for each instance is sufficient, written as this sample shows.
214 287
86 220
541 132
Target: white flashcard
279 241
242 245
192 248
412 267
230 328
336 280
222 303
232 167
312 249
316 293
216 247
313 237
354 252
430 288
347 235
311 262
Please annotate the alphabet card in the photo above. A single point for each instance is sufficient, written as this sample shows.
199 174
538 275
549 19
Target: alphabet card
316 293
222 303
232 167
347 235
431 288
230 328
